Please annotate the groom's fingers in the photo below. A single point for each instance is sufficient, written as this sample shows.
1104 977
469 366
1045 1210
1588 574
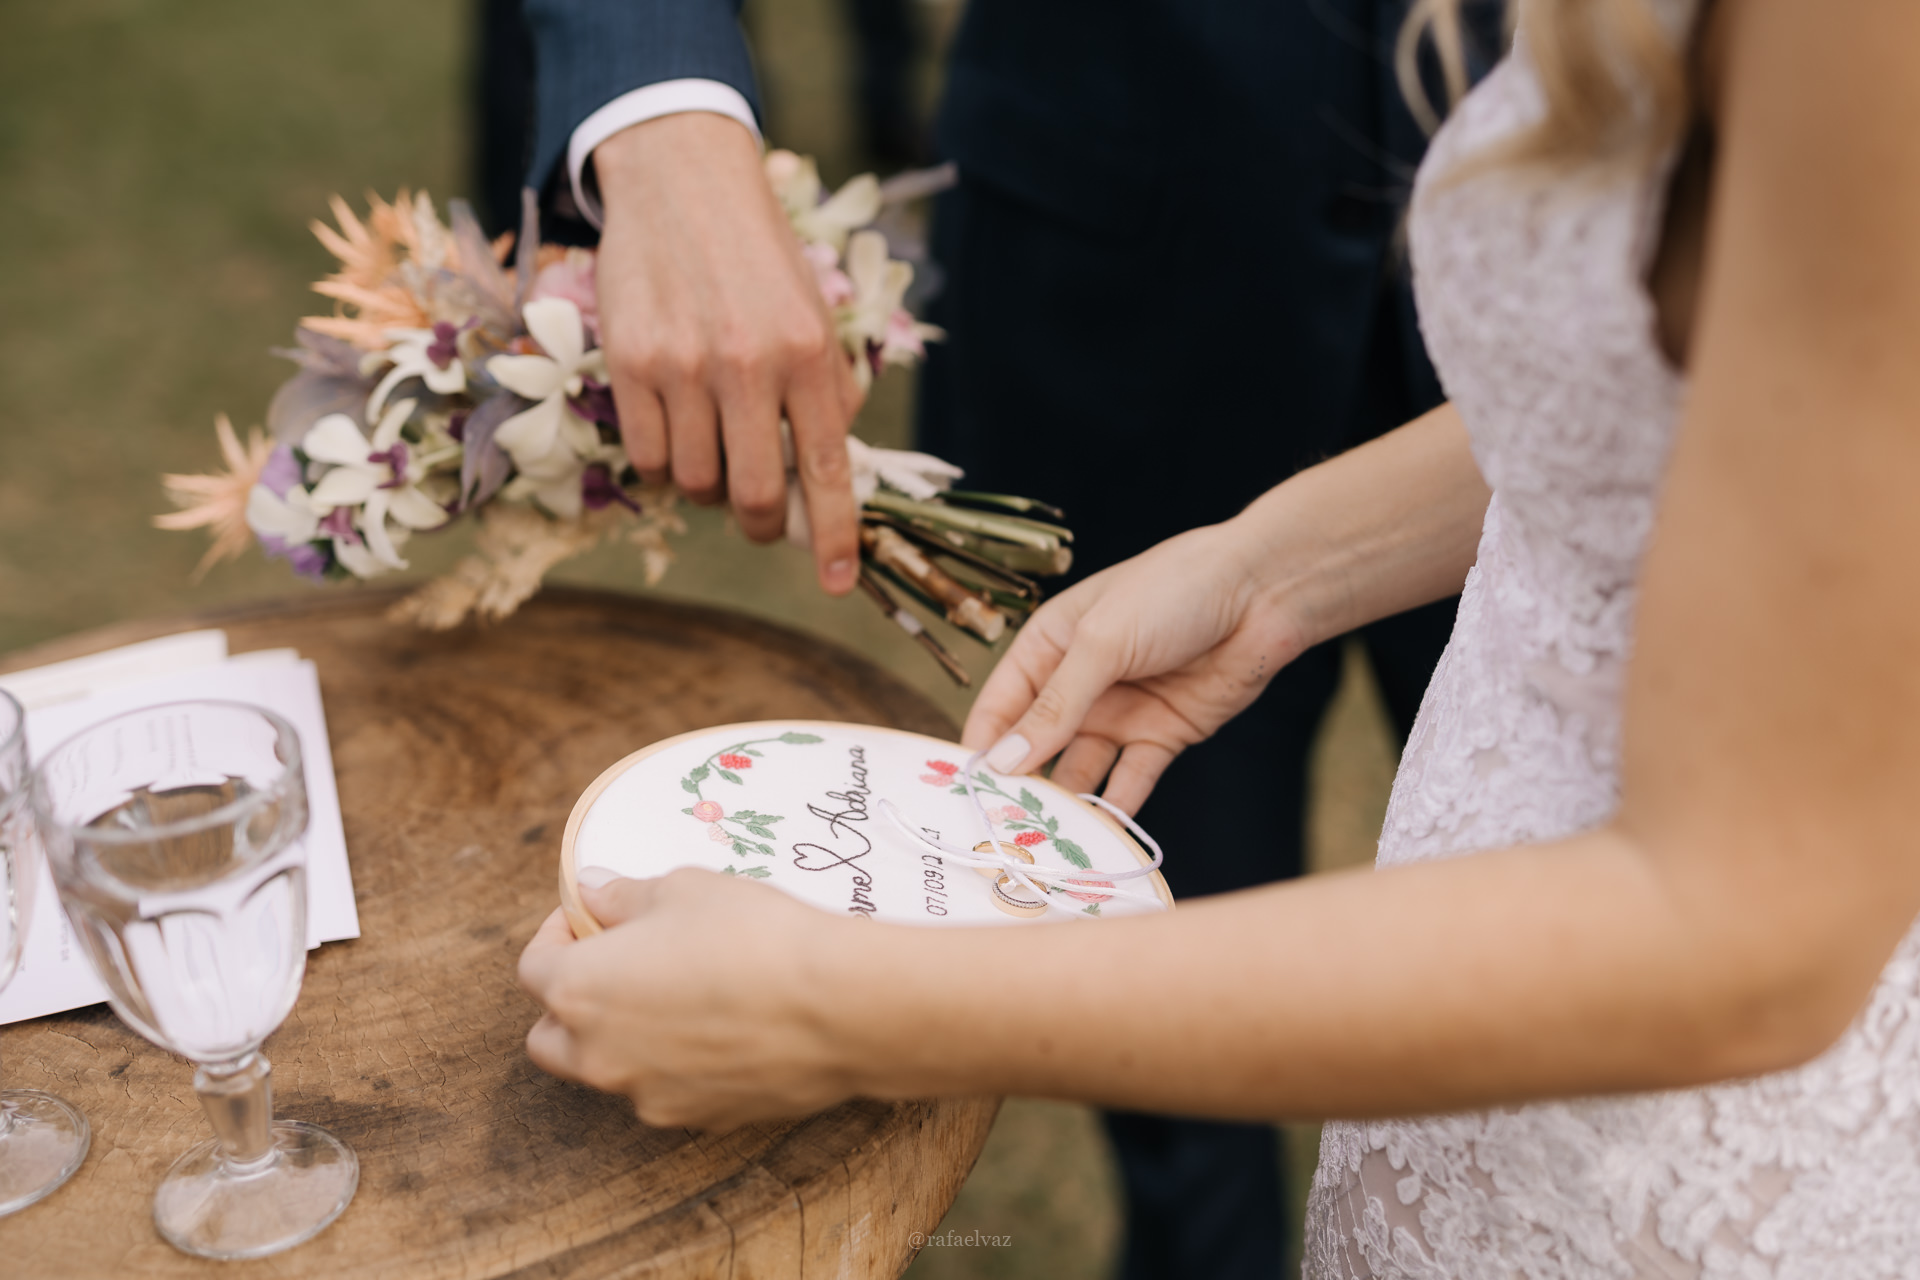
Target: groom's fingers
818 408
643 426
756 466
693 437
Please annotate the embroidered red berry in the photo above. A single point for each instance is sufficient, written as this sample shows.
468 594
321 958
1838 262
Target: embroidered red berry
1028 839
941 766
736 762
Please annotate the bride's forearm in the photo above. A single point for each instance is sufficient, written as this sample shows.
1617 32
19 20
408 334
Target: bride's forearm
1498 978
1380 529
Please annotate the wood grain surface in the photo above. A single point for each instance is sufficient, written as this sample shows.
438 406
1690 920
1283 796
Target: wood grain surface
458 758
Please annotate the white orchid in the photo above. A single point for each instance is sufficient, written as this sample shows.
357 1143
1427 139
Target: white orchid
382 476
874 326
796 183
549 438
290 518
431 355
920 476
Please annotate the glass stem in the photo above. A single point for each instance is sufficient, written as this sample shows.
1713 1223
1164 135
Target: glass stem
238 1100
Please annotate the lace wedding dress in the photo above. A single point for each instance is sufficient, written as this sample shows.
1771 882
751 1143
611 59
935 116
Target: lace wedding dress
1534 308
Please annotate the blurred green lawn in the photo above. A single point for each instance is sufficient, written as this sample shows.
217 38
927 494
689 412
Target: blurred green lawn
161 160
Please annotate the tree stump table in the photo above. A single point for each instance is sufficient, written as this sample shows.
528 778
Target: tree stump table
458 757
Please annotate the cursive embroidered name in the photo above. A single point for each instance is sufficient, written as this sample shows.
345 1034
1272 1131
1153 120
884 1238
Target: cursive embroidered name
843 812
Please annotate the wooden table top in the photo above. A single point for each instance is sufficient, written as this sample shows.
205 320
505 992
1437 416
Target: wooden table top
458 757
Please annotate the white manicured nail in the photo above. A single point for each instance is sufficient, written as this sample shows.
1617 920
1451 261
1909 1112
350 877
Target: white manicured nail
597 877
1009 753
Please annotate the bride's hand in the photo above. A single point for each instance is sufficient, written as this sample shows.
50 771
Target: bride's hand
1134 665
694 1003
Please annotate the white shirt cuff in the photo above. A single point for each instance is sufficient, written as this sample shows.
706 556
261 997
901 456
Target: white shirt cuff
669 97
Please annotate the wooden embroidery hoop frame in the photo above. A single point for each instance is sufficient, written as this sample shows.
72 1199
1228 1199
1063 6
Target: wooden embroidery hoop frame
584 925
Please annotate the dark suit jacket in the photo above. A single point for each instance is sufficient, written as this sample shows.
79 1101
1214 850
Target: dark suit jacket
1173 274
589 52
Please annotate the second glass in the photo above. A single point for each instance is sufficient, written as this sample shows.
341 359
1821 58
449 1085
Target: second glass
176 839
43 1139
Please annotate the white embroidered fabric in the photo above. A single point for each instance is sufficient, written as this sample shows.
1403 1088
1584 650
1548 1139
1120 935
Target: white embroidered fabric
1534 308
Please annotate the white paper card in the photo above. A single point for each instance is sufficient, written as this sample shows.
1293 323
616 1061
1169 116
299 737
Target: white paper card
54 973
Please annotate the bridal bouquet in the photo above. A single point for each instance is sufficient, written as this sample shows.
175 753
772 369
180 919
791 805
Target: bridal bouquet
460 376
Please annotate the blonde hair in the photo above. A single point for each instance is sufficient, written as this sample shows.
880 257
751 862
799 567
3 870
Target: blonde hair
1616 87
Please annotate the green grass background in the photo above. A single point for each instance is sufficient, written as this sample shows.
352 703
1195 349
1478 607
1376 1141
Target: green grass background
160 161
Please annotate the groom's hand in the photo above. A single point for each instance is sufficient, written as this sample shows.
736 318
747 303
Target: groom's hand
713 328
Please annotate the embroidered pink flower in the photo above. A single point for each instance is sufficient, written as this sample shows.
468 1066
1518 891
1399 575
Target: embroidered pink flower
709 811
1010 813
1028 839
736 762
1091 897
718 834
942 774
941 766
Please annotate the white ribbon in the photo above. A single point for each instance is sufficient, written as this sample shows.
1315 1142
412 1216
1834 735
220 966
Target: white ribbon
1030 875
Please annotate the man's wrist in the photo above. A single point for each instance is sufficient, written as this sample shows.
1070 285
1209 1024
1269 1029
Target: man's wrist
591 139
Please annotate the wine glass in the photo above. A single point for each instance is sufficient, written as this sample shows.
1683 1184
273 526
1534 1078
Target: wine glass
42 1139
176 838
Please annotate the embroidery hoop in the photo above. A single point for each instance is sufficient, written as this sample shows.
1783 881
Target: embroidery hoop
584 925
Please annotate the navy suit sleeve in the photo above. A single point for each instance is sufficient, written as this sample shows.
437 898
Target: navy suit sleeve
589 52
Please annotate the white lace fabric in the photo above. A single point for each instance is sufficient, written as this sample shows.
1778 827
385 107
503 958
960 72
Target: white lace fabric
1533 305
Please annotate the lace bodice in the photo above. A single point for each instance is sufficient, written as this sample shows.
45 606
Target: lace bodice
1534 309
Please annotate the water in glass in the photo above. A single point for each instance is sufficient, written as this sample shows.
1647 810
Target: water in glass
176 836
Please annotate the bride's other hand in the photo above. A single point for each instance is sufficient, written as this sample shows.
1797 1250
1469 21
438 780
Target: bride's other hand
1134 665
694 1003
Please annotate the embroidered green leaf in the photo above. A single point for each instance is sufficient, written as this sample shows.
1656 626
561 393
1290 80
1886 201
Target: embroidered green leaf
742 848
794 738
761 873
1073 853
750 751
688 812
699 774
686 784
758 830
958 791
730 776
765 848
1031 802
1092 908
1053 826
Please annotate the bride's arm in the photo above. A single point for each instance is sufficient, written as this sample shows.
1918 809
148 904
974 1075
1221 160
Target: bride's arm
1141 661
1766 856
1729 920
